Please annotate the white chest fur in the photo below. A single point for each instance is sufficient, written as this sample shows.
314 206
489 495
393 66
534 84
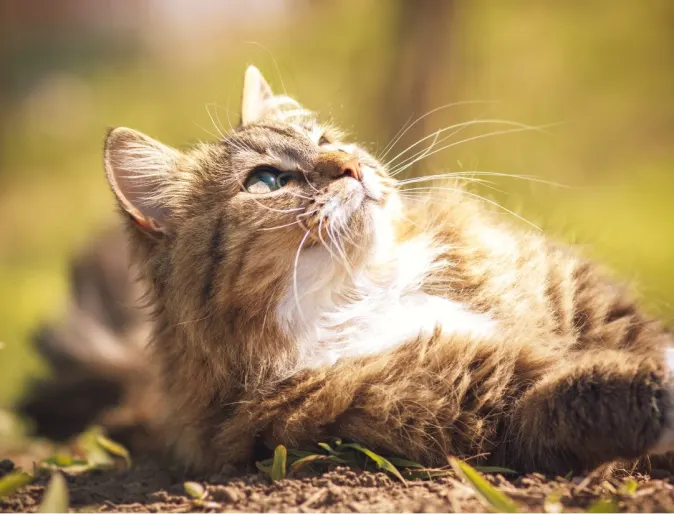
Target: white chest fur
331 317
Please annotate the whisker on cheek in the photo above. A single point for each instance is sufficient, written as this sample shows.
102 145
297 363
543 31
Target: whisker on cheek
295 285
296 222
410 193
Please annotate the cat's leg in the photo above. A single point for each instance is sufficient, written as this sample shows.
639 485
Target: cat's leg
433 397
600 406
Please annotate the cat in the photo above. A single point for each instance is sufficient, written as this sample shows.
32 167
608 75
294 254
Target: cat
296 294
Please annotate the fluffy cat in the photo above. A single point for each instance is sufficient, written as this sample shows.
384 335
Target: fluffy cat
296 294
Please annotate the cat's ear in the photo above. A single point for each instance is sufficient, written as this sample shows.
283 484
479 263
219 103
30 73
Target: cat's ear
138 169
256 95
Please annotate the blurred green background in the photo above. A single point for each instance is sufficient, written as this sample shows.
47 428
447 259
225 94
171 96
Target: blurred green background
602 72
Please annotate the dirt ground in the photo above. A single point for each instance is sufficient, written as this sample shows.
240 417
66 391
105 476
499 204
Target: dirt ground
147 488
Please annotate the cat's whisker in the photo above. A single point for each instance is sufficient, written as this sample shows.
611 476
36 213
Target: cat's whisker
396 137
295 285
448 177
340 249
276 66
484 183
296 222
468 193
215 125
469 176
399 135
217 115
510 175
333 256
473 138
492 121
395 170
214 136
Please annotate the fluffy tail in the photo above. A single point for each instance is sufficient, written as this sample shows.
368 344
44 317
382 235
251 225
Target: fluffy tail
96 355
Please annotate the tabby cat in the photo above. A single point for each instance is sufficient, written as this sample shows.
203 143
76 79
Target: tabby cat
296 294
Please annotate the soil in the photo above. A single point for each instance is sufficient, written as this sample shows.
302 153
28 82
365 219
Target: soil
148 488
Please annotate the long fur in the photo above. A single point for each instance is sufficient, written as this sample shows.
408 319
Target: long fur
339 307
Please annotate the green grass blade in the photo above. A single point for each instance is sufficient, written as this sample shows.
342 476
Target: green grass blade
13 481
263 468
278 466
490 495
606 505
56 496
404 463
380 461
496 469
300 454
327 448
114 448
316 459
424 474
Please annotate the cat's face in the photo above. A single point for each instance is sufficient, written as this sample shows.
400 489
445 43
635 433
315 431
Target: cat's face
244 208
296 176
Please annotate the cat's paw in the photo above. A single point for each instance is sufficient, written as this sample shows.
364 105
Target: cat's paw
665 443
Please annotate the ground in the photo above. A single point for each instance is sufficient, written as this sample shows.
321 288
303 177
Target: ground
146 487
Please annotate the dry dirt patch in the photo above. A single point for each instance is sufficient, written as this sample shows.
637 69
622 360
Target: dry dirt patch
149 488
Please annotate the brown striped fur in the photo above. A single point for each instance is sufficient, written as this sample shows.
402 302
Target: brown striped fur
574 376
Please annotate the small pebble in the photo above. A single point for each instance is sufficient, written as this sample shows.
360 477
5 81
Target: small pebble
6 466
225 494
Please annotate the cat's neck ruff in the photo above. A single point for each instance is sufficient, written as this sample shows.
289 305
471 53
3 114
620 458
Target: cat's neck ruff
332 312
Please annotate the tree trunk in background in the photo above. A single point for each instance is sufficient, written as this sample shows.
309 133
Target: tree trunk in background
422 64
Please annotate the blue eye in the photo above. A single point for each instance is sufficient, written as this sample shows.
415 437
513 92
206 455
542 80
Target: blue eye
266 179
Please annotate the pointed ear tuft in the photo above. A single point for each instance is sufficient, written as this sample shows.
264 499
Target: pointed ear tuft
256 91
138 169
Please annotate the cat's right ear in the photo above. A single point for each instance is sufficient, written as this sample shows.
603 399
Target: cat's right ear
256 95
138 169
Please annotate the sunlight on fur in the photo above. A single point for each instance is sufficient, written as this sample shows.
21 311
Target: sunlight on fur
298 291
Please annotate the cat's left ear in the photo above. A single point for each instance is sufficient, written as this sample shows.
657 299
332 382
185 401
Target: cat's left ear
138 169
256 96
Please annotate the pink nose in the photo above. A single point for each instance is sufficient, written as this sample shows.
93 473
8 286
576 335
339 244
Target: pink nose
338 164
350 168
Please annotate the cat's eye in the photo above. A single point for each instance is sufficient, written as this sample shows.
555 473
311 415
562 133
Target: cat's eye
323 140
266 179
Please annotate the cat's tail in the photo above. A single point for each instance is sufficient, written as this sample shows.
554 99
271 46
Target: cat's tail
99 372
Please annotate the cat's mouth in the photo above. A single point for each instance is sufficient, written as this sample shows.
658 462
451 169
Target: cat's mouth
347 203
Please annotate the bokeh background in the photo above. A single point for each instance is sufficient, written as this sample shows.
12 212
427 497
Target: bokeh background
598 75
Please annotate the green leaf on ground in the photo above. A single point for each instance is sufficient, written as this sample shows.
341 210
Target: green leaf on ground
195 490
327 448
628 487
278 467
114 448
605 505
266 469
316 458
425 474
13 481
496 469
404 463
56 496
496 500
380 461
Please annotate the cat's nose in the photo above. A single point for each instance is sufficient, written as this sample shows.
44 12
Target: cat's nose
338 164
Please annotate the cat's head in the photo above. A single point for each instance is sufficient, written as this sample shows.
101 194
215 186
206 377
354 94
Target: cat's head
225 222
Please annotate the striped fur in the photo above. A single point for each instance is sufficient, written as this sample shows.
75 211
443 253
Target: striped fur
334 307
